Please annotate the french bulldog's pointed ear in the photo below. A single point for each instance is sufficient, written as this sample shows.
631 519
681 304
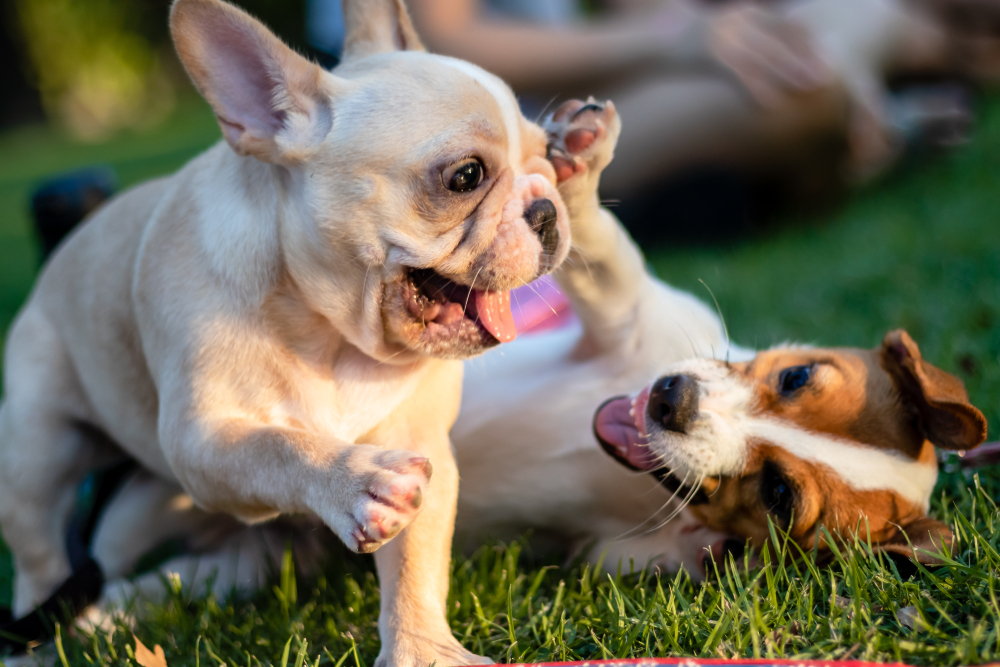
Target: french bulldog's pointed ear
946 417
921 541
270 102
377 26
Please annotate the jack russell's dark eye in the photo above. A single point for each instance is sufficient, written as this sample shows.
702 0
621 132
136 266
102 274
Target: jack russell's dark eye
794 378
467 176
777 493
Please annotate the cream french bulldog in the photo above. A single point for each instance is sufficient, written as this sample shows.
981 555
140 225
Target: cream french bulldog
277 327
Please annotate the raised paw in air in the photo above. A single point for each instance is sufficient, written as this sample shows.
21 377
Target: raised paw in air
390 498
582 137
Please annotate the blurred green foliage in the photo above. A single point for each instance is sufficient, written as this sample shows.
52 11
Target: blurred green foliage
105 65
96 72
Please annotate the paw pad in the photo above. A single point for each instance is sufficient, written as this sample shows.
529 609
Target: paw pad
581 137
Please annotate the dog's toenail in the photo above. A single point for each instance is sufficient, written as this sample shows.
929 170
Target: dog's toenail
424 464
369 546
417 498
592 106
392 531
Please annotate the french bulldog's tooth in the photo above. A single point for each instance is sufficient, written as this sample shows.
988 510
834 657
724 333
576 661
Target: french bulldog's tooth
450 312
431 311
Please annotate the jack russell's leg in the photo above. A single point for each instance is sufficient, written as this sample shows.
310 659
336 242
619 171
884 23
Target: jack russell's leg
604 273
225 556
624 310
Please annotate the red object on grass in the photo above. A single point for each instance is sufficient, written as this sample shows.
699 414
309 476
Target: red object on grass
693 662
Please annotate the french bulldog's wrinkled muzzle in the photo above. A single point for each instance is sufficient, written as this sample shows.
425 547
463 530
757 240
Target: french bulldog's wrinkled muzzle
461 306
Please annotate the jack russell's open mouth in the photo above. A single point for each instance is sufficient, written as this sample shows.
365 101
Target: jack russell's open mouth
620 428
449 310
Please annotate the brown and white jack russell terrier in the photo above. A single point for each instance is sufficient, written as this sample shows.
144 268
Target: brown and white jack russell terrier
837 438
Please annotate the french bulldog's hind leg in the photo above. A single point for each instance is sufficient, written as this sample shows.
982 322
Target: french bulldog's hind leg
45 451
220 555
146 512
240 564
582 137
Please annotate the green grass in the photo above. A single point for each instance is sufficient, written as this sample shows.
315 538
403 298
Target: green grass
919 251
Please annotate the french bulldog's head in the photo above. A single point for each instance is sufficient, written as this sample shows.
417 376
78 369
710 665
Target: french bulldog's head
415 195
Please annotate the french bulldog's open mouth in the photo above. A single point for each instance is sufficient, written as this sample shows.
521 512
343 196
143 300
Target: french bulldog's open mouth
449 310
620 428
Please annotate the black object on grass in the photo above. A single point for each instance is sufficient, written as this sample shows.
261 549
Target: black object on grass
62 202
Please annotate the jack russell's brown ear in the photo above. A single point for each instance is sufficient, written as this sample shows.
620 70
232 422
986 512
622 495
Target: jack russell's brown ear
945 415
377 26
270 102
920 541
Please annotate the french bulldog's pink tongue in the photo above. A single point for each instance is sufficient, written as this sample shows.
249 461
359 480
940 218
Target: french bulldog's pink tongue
493 311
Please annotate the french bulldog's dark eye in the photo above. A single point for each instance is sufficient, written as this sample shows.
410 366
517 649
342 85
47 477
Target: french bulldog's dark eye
466 177
794 378
777 493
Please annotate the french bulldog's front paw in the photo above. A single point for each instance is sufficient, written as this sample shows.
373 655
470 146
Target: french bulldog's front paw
388 500
582 137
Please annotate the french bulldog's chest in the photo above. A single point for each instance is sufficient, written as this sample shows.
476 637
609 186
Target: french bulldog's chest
349 399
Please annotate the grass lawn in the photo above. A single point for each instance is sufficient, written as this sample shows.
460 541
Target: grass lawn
920 250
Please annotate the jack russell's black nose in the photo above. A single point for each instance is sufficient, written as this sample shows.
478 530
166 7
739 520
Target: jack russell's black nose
673 402
542 217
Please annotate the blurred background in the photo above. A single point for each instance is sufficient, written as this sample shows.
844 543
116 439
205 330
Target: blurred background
93 68
829 168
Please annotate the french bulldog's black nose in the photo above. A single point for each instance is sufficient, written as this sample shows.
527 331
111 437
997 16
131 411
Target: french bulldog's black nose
542 217
673 402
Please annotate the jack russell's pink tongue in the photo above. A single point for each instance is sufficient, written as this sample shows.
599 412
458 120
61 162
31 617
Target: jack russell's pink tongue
492 309
619 425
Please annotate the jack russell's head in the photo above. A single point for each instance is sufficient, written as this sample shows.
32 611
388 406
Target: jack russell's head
841 438
412 194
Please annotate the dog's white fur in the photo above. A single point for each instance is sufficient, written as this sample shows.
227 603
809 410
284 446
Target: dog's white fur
241 328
